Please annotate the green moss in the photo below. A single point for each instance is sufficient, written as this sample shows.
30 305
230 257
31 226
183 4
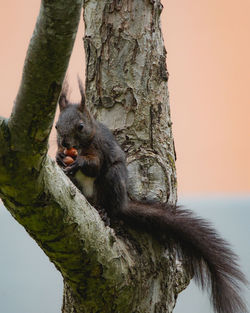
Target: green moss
171 161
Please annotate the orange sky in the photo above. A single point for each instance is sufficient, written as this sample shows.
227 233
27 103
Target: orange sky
208 46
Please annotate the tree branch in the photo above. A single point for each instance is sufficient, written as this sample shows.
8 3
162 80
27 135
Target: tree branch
2 119
45 66
24 137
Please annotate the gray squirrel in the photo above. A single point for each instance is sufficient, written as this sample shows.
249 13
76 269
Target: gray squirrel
99 171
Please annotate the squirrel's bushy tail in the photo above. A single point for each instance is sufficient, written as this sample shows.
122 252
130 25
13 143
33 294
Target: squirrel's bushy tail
209 257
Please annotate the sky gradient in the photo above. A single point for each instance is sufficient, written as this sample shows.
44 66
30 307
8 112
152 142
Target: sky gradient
208 59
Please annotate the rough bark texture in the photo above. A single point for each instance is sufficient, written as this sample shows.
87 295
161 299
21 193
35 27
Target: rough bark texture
127 89
103 271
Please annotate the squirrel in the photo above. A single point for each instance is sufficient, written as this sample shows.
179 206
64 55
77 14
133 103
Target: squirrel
100 172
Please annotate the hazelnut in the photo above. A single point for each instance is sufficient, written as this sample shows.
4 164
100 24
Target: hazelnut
72 152
68 160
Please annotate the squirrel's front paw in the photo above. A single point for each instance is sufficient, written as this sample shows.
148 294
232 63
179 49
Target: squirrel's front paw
60 159
73 167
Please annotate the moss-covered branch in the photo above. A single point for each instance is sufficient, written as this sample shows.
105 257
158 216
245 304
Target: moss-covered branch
24 137
71 233
45 66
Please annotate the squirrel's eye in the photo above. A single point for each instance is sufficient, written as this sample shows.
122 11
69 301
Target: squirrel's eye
80 126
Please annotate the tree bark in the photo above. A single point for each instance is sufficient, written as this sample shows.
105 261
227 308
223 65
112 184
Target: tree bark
126 87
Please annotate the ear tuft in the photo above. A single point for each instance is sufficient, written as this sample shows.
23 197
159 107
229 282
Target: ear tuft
82 106
63 102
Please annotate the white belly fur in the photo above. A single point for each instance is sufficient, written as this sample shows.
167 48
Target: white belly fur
86 183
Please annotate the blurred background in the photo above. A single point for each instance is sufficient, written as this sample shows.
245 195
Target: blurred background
208 46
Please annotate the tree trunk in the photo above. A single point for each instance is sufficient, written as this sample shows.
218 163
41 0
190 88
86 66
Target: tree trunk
126 86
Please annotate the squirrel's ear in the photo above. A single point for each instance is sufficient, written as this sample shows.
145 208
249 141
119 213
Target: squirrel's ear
82 105
63 102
